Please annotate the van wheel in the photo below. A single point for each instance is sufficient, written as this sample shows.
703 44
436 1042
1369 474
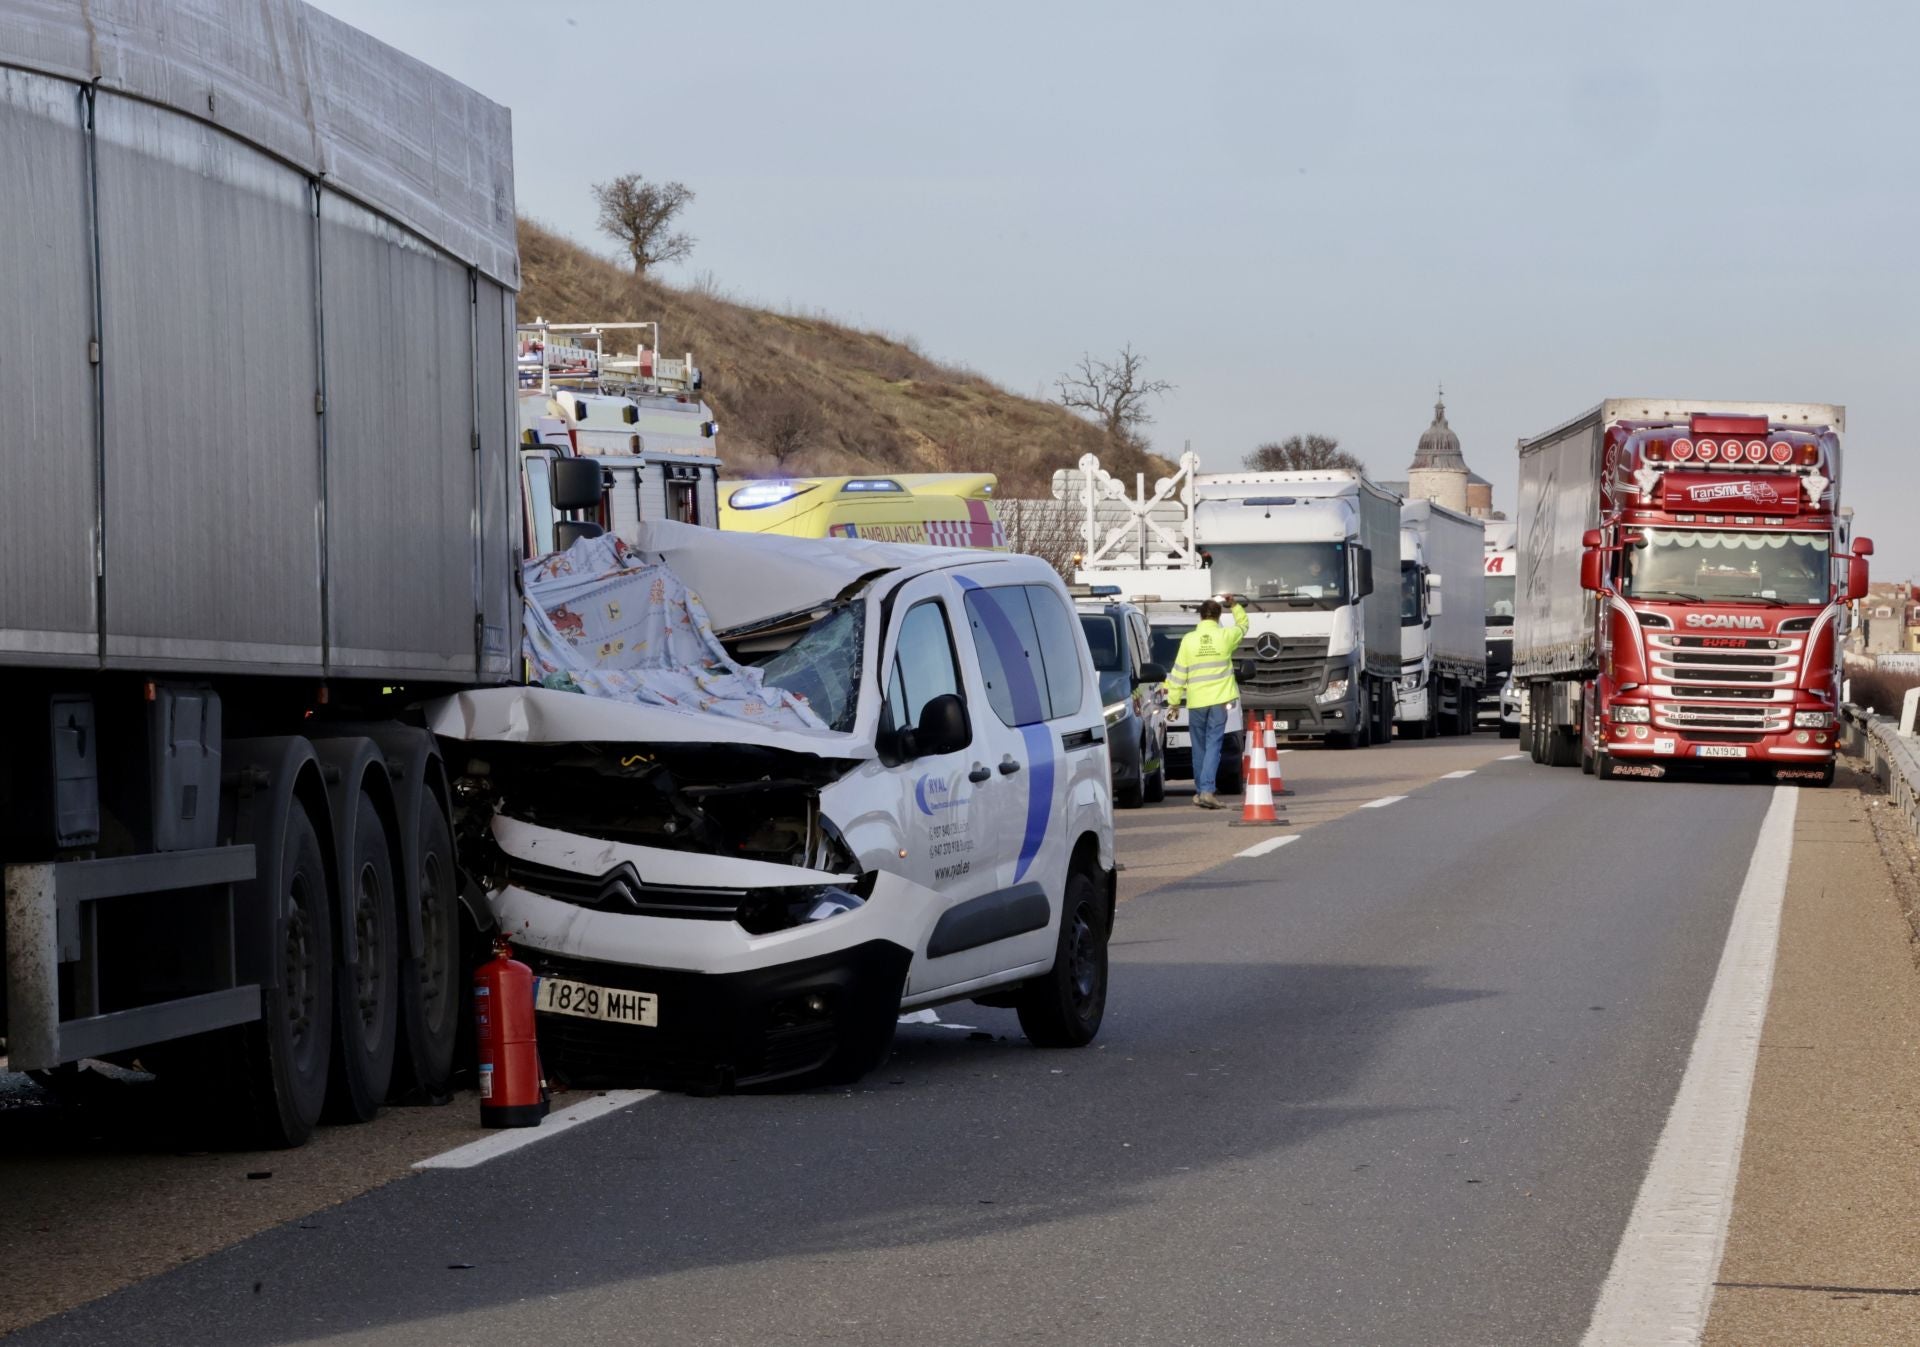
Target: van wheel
1155 789
1064 1008
1129 793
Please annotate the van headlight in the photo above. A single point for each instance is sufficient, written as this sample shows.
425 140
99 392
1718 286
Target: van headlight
1335 690
1630 715
1813 720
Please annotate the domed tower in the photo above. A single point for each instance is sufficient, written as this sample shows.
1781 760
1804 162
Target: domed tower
1439 472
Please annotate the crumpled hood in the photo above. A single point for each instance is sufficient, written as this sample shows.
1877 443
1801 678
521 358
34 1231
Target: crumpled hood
530 715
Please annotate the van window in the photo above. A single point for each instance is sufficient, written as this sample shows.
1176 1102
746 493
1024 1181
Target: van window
1024 638
1059 651
923 665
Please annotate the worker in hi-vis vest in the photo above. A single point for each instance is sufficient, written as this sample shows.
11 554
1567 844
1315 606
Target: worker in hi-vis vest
1202 677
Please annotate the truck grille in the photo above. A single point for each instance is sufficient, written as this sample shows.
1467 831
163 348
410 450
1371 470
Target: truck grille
1733 688
1295 670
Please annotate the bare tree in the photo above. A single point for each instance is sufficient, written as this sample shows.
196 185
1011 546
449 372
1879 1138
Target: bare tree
640 215
1300 453
1112 392
1049 529
785 423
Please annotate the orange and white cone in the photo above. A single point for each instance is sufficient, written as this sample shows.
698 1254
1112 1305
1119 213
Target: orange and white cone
1271 739
1256 799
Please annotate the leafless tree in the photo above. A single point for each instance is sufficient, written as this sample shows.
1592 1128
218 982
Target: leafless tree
1300 453
640 215
785 423
1049 529
1113 393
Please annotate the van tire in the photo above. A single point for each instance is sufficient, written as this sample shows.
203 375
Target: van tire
1064 1008
1155 789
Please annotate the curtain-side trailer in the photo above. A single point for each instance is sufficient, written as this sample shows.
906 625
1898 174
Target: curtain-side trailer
1443 649
260 499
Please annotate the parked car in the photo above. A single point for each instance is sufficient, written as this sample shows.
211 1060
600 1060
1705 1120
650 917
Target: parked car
1118 639
771 791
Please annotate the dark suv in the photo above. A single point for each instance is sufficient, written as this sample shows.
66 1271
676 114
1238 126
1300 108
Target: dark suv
1130 689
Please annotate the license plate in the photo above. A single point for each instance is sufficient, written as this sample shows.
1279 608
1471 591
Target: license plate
1663 745
558 996
1283 724
1720 751
1177 739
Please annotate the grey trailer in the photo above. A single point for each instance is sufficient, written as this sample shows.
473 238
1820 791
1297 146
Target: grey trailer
259 453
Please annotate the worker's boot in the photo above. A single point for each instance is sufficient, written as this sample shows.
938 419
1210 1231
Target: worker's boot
1206 800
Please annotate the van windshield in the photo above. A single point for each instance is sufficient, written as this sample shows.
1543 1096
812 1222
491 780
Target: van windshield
823 666
1282 575
1692 565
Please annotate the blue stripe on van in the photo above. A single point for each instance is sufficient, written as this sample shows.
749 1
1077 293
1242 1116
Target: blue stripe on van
1023 690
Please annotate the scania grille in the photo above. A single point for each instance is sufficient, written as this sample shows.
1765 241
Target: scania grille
1698 718
1739 667
1295 668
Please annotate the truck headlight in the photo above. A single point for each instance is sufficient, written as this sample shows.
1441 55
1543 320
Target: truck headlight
1631 715
1335 690
1813 720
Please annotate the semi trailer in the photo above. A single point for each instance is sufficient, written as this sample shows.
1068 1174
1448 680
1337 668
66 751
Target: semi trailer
261 504
1443 655
1683 574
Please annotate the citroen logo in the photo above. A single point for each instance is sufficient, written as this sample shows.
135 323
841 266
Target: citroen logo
1266 645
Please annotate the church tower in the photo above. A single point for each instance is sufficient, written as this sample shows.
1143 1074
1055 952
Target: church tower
1439 472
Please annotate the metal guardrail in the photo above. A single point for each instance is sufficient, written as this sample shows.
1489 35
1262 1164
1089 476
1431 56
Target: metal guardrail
1892 757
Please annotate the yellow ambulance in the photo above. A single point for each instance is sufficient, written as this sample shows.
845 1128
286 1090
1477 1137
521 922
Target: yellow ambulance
941 509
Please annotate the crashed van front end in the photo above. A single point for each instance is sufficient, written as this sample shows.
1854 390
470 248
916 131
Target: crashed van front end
693 918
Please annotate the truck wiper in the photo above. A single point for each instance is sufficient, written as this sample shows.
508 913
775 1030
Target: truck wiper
1666 594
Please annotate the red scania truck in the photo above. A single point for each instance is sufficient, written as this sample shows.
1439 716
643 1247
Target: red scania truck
1683 567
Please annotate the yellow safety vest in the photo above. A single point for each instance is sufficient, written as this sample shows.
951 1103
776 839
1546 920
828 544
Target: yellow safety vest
1203 670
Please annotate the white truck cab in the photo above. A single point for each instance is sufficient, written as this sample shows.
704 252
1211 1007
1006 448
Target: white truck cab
712 900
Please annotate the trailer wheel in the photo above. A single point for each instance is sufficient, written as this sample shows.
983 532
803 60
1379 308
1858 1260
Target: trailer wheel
367 991
430 981
278 1072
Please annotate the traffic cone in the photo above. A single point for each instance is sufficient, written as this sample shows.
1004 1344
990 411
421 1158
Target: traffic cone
1256 797
1271 739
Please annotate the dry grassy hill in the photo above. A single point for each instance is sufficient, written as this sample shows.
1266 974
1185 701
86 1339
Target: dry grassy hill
811 396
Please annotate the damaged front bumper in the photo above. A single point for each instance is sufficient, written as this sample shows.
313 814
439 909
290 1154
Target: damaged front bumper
731 1006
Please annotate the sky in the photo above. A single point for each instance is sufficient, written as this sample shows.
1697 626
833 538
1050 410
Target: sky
1304 216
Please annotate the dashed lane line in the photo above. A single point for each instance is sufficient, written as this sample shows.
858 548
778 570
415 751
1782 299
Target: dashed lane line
1383 802
1271 844
1455 776
1511 757
497 1144
1661 1284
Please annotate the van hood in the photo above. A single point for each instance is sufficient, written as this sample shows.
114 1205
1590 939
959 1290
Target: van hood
534 715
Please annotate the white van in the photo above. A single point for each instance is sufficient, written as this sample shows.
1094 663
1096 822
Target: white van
711 902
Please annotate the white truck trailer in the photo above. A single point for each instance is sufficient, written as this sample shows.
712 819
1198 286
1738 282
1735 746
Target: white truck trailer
259 462
1443 653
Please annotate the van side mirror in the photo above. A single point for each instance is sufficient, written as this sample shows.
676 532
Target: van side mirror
1593 568
1150 673
577 484
943 728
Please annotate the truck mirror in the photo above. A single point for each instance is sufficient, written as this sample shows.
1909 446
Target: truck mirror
577 484
1433 582
1591 538
1592 572
1857 573
1863 547
1150 673
1434 608
1363 582
943 728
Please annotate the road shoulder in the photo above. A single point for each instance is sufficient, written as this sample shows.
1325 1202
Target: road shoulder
1825 1238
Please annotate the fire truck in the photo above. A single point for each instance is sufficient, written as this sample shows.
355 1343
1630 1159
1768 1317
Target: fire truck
1682 580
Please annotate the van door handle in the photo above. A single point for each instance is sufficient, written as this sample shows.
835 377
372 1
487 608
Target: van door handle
1008 766
979 773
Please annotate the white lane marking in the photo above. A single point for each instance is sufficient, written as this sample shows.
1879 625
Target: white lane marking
1278 751
1455 776
920 1017
1511 757
1271 844
1383 802
1661 1283
497 1144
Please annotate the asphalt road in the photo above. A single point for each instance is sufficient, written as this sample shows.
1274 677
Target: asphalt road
1395 1082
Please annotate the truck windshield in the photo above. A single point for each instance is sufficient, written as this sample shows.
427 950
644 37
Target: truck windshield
1499 600
823 666
1729 567
1409 593
1282 575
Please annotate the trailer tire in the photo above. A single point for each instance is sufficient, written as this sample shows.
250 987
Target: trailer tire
274 1071
367 991
1064 1007
430 983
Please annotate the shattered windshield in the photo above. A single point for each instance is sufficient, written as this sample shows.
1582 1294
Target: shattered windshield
823 666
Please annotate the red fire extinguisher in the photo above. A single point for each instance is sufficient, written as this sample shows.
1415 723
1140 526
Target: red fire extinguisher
511 1091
